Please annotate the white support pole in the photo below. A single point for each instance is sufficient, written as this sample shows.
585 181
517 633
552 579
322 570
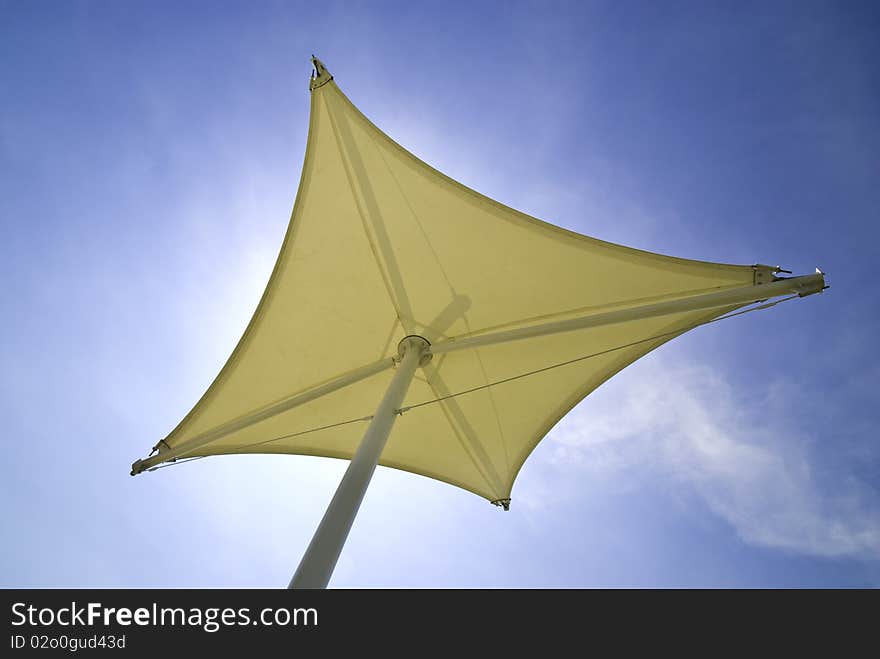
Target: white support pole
803 285
318 562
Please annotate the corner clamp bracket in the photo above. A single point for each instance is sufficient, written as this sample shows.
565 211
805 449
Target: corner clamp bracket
320 76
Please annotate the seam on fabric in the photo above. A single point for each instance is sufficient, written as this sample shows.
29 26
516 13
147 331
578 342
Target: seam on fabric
472 447
358 192
494 406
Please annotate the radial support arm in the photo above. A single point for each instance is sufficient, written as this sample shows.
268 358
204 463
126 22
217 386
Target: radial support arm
803 285
260 415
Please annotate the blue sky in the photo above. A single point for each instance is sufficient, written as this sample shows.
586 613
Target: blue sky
150 154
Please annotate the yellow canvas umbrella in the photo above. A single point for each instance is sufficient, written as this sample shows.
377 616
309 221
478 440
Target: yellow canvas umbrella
399 287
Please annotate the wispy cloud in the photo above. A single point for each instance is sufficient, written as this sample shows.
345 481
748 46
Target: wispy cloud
760 472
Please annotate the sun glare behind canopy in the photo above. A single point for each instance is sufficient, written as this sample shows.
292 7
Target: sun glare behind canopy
381 247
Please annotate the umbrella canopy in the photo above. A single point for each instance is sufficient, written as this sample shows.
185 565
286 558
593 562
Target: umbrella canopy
381 246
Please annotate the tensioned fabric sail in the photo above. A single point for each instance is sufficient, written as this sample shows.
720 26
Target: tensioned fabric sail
381 246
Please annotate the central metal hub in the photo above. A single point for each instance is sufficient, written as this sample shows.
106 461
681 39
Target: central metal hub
415 342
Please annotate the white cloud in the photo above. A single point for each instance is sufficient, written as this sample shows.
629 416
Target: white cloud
756 469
